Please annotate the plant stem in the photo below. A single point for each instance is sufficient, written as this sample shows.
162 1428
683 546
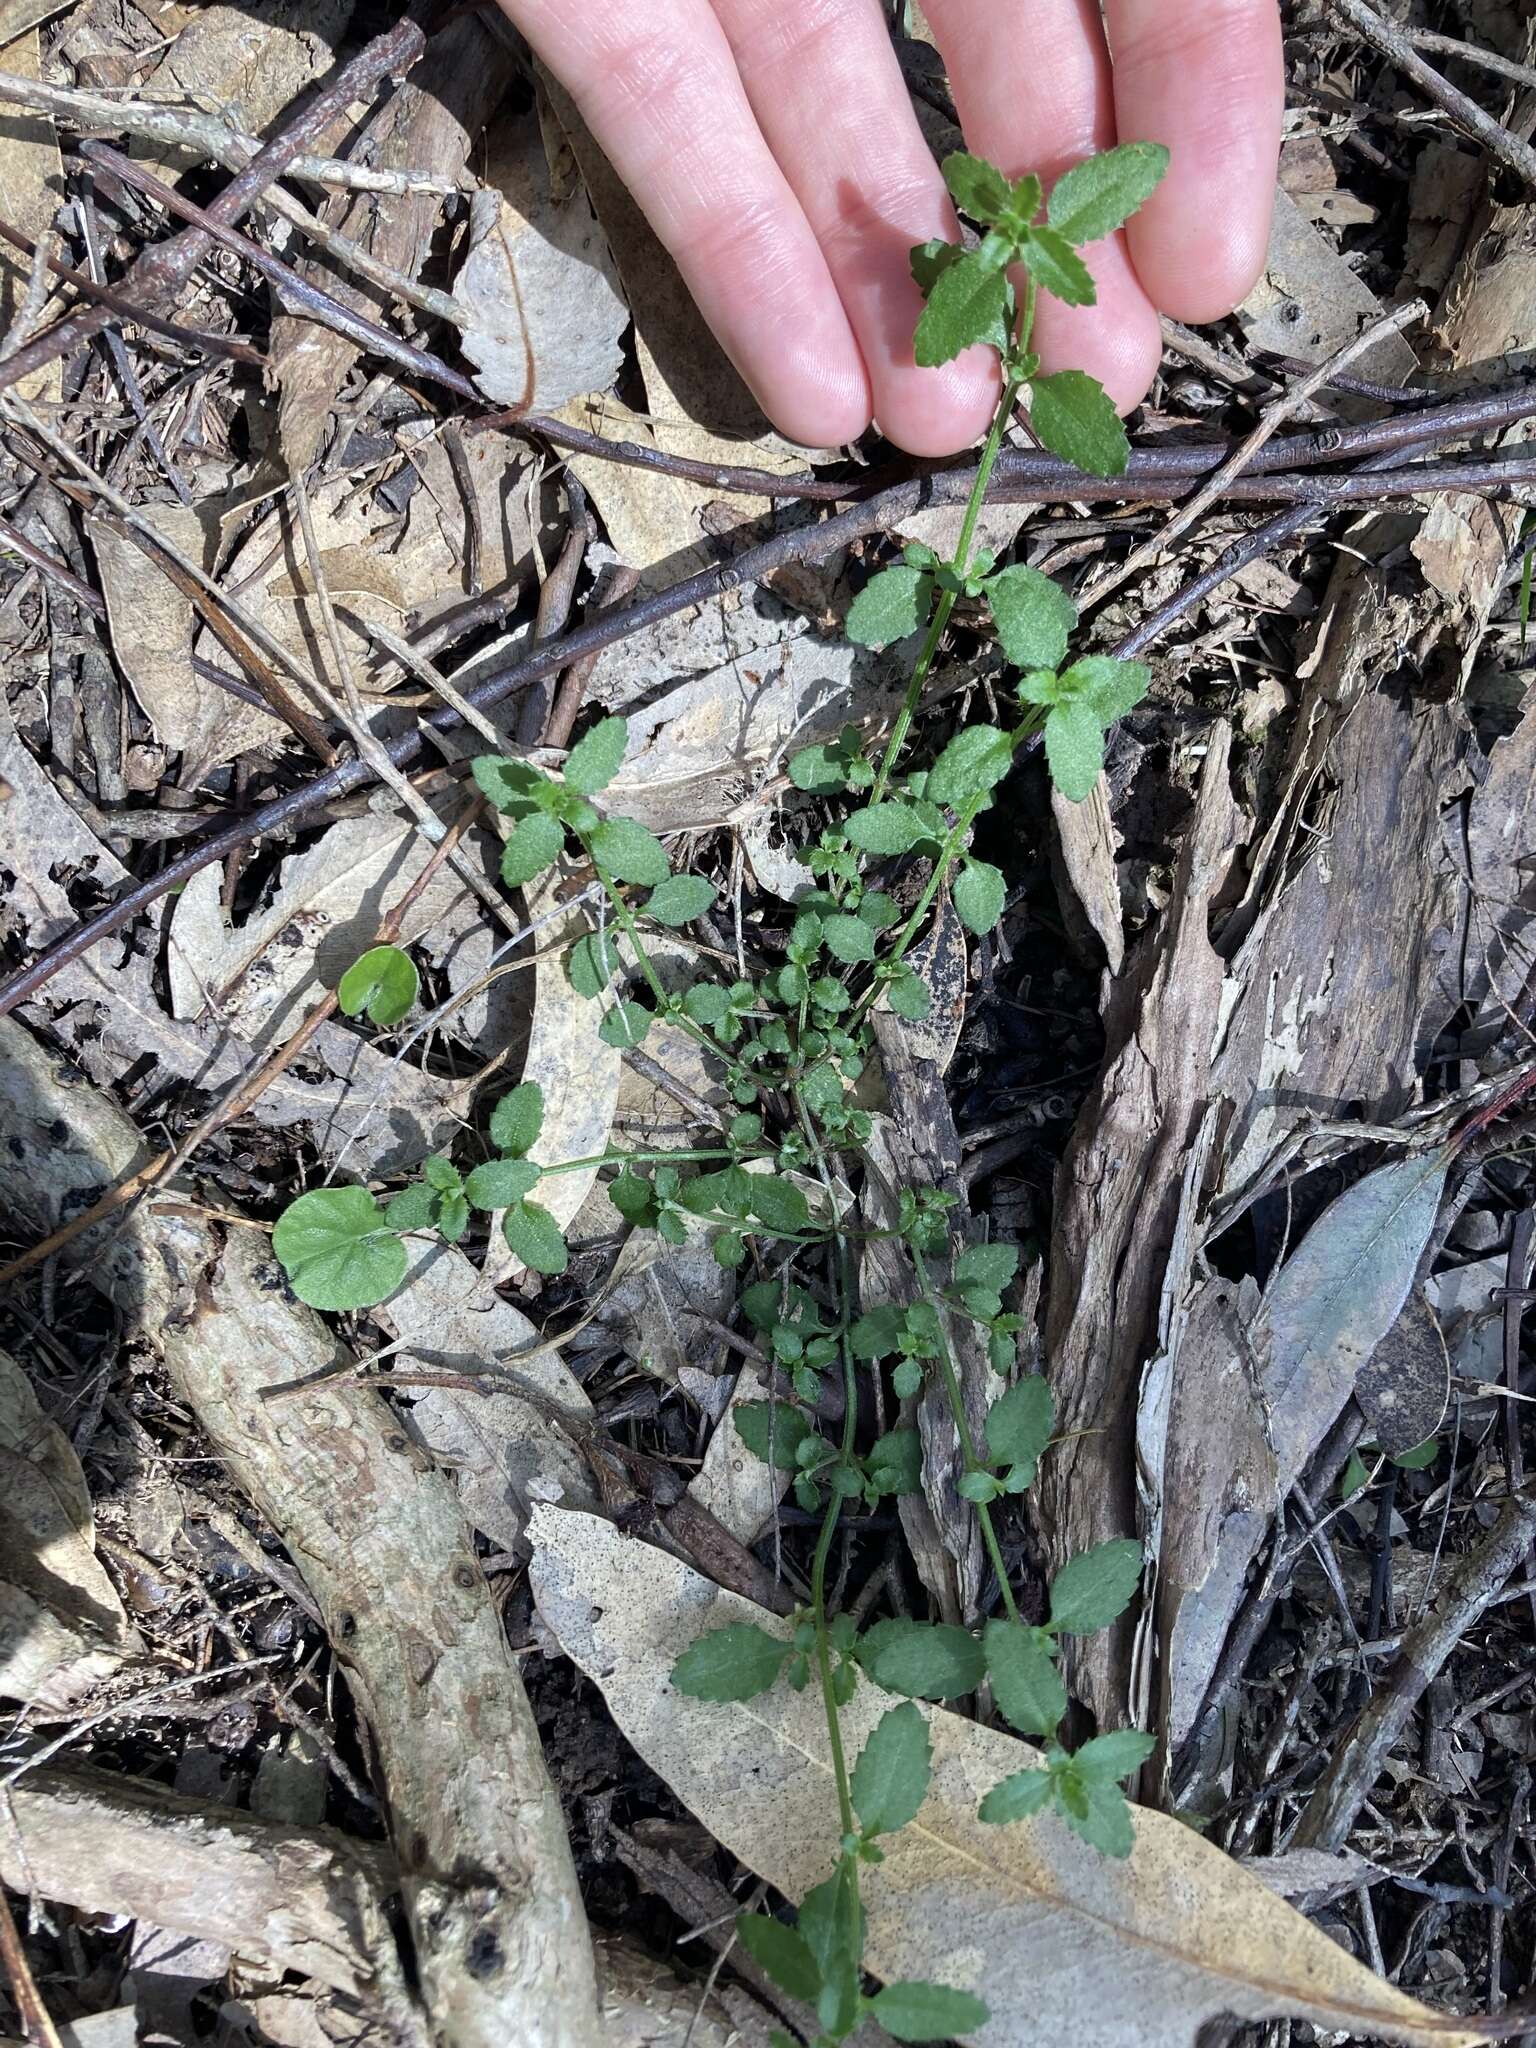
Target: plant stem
963 1429
626 1158
946 603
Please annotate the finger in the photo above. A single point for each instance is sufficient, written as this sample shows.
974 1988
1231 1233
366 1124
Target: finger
1040 100
660 91
1206 78
870 190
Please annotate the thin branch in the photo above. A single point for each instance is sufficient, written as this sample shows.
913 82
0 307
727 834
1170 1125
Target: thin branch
1469 53
138 316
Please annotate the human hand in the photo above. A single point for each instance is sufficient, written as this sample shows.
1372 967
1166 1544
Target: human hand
774 149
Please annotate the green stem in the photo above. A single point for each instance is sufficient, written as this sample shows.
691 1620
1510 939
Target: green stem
624 1158
946 604
819 1563
963 1430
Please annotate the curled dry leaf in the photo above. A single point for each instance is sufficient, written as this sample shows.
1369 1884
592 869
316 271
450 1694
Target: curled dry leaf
545 314
62 1626
1034 1922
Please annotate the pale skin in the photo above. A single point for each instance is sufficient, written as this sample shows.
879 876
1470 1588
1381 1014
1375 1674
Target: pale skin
773 147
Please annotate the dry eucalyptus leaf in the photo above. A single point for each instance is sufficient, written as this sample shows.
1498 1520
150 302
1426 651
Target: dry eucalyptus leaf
1061 1943
1404 1385
62 1627
31 192
739 1490
1310 302
546 314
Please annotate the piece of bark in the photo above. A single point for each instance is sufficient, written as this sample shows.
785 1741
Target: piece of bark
500 1936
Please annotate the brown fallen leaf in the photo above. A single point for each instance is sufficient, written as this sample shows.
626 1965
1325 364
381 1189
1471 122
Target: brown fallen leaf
1061 1943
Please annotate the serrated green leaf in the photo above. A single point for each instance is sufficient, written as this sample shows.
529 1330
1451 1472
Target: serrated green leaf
929 261
633 1197
625 1025
705 1003
535 1237
907 1379
1025 1682
533 844
629 852
414 1208
848 939
923 1660
1033 615
1094 1588
772 1431
1017 1797
518 1118
819 770
986 1265
832 1920
453 1217
915 2011
440 1172
890 1779
1109 1758
680 899
593 962
979 895
895 1462
1074 750
594 760
889 827
781 1952
978 188
383 981
891 606
968 303
1108 687
733 1663
777 1203
1073 415
1019 1425
512 786
975 760
338 1250
498 1183
1099 1813
877 1332
910 997
1058 268
1094 198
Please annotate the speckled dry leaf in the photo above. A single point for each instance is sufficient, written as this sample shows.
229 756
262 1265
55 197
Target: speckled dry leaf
1404 1385
538 282
1310 302
1088 842
739 1490
31 192
941 960
153 626
62 1626
258 977
1062 1943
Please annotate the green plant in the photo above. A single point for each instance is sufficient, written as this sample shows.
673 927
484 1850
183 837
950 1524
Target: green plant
382 983
791 1041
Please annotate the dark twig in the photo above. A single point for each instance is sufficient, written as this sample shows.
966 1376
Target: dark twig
159 273
13 541
1472 119
1469 53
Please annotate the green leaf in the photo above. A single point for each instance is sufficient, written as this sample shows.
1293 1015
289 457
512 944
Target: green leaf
1019 1425
877 1332
440 1172
1074 750
594 760
453 1217
625 1025
849 938
534 844
914 2011
705 1003
979 895
820 770
414 1208
978 188
891 606
1017 1797
929 261
777 1203
382 981
1025 1682
1058 267
885 828
1099 1813
832 1921
1094 1589
782 1953
1072 414
535 1237
975 760
518 1118
593 962
1354 1476
732 1663
924 1660
633 1197
1109 1758
986 1265
909 996
338 1250
890 1779
511 786
1033 614
500 1182
629 852
680 899
1418 1457
968 303
1094 198
895 1462
772 1431
1108 687
907 1379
